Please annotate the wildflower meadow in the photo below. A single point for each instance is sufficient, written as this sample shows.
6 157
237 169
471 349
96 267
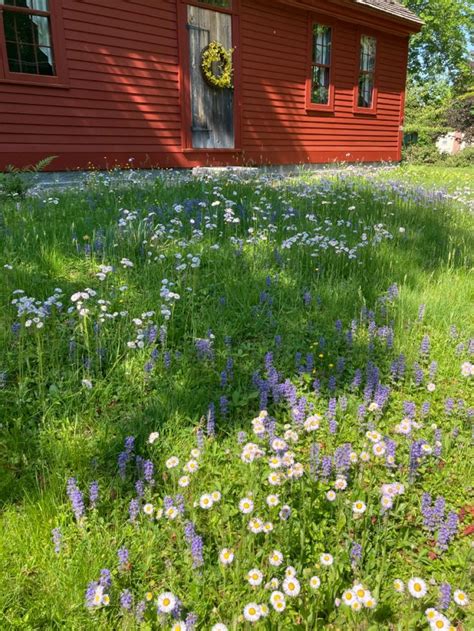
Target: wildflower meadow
233 403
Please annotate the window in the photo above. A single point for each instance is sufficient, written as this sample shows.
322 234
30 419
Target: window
365 97
320 92
223 4
27 33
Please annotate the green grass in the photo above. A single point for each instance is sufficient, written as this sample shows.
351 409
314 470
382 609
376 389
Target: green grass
257 296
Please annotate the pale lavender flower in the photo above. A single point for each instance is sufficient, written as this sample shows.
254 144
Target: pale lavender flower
93 494
126 600
191 621
76 498
123 555
211 420
133 510
444 595
57 539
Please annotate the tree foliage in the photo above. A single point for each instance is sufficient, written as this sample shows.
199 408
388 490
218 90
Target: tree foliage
441 49
460 116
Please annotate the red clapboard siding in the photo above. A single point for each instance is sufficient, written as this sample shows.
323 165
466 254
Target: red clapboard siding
122 98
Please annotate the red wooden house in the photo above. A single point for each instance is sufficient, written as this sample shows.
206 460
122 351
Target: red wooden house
100 82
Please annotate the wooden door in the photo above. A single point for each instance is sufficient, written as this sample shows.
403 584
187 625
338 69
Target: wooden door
212 109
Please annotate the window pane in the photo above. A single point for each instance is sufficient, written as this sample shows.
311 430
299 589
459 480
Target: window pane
366 88
368 46
224 4
37 5
320 85
322 36
28 39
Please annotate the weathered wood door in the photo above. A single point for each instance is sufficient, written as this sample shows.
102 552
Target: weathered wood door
212 109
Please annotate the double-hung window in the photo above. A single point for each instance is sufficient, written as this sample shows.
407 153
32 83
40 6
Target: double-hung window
28 41
320 89
365 91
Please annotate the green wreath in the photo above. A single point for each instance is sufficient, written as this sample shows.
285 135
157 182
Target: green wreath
215 53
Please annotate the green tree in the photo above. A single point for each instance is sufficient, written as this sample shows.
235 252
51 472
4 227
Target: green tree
441 49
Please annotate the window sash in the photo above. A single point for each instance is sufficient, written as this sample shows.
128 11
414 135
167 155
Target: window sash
321 60
366 77
28 53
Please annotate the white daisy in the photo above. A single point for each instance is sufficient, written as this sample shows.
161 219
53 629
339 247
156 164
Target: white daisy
340 484
291 586
276 596
206 501
226 556
252 612
331 495
255 577
460 598
267 527
148 509
191 466
273 500
246 505
275 558
166 602
255 525
172 462
179 626
171 512
153 437
220 626
359 507
417 587
399 586
216 496
183 482
326 559
314 582
348 597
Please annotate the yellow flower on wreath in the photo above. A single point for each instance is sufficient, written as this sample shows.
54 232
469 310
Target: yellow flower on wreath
217 53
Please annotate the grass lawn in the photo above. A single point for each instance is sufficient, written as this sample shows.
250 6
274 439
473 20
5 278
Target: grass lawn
238 403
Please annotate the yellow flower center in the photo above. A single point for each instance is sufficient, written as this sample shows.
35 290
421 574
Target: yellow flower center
417 587
252 611
166 602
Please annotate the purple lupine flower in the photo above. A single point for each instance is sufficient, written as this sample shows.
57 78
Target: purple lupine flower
416 453
342 402
123 555
421 312
149 366
90 593
381 395
332 383
391 447
168 502
356 553
179 503
278 340
438 444
195 544
425 346
361 412
204 349
211 420
326 467
307 298
342 457
268 361
447 530
229 366
425 409
133 510
438 509
126 600
105 578
409 409
93 494
223 379
176 613
191 621
140 611
76 498
338 326
167 360
444 595
418 374
200 438
57 539
316 386
433 369
453 332
224 406
241 437
140 488
357 380
129 444
148 470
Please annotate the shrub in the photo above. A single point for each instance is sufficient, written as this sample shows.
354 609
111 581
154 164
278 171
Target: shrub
16 181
